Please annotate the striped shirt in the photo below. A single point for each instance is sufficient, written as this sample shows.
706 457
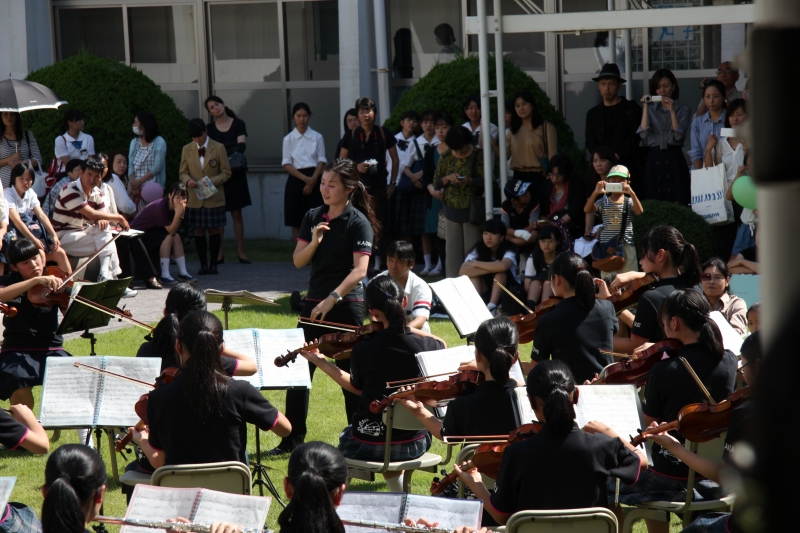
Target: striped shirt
71 200
8 147
612 218
419 298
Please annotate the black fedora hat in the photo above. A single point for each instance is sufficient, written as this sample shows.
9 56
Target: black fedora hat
610 70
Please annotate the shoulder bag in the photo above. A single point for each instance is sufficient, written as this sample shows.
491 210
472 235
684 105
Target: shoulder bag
609 256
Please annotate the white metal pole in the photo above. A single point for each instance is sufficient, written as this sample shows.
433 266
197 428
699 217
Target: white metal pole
501 95
486 132
382 59
626 36
612 37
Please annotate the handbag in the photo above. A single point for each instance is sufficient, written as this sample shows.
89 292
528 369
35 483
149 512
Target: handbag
404 183
609 256
238 162
40 182
477 205
708 195
441 230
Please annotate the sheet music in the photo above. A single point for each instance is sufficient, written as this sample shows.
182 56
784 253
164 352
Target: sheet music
524 409
244 342
463 303
372 506
6 486
119 397
248 511
158 503
731 340
264 345
450 513
68 393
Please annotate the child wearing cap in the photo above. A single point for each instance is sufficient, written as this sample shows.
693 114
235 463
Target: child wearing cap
613 208
519 212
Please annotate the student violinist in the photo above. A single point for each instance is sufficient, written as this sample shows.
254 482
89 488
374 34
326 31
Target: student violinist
665 253
203 398
581 327
684 315
387 355
572 465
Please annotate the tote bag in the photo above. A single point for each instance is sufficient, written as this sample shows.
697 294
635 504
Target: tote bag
708 195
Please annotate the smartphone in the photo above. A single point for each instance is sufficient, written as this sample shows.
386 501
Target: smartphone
613 187
460 178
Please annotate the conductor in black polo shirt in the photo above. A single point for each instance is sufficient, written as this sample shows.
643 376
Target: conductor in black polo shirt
337 240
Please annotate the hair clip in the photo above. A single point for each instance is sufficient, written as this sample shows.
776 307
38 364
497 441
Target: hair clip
389 295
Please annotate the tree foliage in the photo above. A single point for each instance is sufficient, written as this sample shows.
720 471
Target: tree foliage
691 225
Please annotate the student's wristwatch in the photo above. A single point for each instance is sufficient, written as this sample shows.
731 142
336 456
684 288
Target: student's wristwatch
336 297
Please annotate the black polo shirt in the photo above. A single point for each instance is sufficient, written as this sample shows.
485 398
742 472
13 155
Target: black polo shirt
174 427
12 432
646 323
383 357
362 147
737 429
570 471
490 409
574 335
516 219
670 388
32 327
349 233
229 364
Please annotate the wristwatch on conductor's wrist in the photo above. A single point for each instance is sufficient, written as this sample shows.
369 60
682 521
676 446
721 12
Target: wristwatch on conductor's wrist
336 297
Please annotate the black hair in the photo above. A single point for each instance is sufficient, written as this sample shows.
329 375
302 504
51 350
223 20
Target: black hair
603 152
149 124
178 189
21 250
682 254
692 307
659 75
349 113
196 128
316 469
104 158
428 114
73 477
111 159
445 34
719 87
348 172
497 227
571 267
18 130
552 382
564 165
93 163
410 114
72 164
547 231
182 299
497 339
20 169
444 117
751 348
474 97
72 115
536 118
206 384
385 294
366 104
755 307
402 250
301 105
217 99
508 106
721 266
458 137
733 105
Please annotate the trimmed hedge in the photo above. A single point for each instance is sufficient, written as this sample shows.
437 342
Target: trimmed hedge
447 84
110 94
691 225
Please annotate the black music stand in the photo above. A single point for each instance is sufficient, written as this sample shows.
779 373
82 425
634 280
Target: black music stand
227 299
82 317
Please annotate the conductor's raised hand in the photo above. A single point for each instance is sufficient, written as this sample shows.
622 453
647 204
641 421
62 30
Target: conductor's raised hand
318 232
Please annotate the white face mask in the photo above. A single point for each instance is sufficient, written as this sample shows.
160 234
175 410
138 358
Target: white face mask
137 131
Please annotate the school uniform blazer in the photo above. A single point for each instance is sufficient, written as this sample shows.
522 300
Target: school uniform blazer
215 166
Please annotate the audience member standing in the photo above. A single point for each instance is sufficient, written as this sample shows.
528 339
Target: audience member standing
432 224
709 123
427 142
230 131
531 142
409 202
350 123
613 122
147 156
73 143
663 129
16 146
733 153
727 75
472 111
303 159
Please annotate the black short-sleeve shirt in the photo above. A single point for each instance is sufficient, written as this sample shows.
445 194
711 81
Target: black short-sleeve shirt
32 327
546 471
229 364
349 233
737 430
576 336
646 323
490 409
173 423
383 357
670 388
12 432
362 147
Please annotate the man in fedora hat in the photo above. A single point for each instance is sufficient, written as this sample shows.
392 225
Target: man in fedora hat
614 121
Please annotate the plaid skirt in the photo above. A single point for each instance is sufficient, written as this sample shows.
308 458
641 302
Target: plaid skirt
19 517
709 523
365 451
409 213
22 369
206 217
653 487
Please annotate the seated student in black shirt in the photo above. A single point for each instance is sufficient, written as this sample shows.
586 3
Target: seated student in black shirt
203 400
581 327
386 355
746 261
665 253
684 316
562 466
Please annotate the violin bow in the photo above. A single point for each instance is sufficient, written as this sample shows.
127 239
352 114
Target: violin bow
323 324
528 309
121 316
89 260
697 380
412 381
123 377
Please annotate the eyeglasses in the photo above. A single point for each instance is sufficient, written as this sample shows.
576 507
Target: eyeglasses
709 277
740 370
726 71
554 175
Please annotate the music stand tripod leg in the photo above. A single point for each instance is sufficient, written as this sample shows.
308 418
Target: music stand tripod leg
260 476
227 304
100 528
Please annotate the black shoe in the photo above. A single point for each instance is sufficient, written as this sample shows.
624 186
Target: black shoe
294 301
274 452
203 271
221 260
213 269
245 261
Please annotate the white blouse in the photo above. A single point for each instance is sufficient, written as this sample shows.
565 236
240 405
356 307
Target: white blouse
303 150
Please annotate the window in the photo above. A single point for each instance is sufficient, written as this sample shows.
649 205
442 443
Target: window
98 30
245 43
312 40
526 50
162 43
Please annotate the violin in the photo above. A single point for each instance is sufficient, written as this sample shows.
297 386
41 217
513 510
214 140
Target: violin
526 323
627 296
635 369
166 377
462 382
487 457
8 310
701 422
334 345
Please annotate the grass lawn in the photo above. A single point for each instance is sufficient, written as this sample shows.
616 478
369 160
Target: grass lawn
326 415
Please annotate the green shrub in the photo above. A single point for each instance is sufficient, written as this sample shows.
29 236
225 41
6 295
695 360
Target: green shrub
691 225
109 94
447 84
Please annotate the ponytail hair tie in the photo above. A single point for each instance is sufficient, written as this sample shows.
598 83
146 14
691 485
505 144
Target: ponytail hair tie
389 295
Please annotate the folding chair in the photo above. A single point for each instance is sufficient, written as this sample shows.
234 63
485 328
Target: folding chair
589 520
395 418
230 476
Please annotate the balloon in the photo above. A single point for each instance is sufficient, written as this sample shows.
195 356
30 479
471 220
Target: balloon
744 192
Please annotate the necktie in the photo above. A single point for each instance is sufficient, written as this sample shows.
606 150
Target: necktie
202 151
77 144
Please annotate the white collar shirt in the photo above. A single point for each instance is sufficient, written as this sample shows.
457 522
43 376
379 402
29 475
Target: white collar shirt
419 296
23 204
303 150
202 158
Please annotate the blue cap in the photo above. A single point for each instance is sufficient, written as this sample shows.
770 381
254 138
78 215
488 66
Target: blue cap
515 189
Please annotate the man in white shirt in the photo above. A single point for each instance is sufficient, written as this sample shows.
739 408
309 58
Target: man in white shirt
73 144
400 258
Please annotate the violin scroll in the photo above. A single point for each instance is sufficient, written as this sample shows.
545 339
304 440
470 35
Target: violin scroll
8 310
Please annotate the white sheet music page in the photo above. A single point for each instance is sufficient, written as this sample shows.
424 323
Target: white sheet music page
158 504
731 340
463 303
275 342
215 506
524 409
6 486
119 396
69 393
384 507
450 513
243 341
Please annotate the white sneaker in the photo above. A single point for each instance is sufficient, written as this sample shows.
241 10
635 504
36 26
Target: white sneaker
129 293
425 271
437 271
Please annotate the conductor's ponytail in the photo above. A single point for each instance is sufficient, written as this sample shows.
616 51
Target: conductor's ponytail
316 471
348 172
572 269
385 294
497 340
74 477
693 308
551 381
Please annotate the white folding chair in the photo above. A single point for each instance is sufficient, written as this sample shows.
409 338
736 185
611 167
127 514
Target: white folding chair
589 520
230 476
